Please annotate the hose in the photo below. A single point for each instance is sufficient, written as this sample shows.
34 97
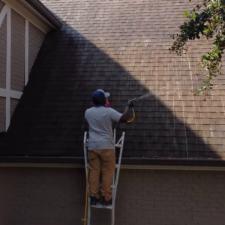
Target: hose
84 219
133 116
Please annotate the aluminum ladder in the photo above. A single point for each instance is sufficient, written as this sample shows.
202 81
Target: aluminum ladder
119 149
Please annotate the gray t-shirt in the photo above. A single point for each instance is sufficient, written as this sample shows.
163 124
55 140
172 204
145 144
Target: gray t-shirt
100 120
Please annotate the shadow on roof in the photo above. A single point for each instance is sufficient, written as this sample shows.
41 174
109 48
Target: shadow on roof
49 118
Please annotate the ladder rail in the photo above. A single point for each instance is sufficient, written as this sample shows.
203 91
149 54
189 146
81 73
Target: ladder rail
119 145
87 213
117 174
85 153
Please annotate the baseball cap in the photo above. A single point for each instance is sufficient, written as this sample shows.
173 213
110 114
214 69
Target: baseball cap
107 94
98 98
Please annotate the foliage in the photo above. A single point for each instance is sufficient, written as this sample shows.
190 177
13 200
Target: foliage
208 20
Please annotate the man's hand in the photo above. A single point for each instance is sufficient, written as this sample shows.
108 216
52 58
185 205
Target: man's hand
126 115
130 104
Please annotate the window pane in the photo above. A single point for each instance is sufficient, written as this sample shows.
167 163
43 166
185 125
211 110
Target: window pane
2 114
3 37
18 52
13 103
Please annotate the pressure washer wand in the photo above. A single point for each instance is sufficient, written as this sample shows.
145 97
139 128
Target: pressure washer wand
139 98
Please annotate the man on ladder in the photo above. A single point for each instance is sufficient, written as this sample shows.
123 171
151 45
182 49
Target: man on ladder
101 146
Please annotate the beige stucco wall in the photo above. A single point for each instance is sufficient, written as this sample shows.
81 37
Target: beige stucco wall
54 196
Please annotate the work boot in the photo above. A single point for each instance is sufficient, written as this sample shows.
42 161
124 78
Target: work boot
94 200
106 203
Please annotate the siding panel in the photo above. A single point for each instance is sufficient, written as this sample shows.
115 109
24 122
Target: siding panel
36 37
3 31
2 114
18 52
14 103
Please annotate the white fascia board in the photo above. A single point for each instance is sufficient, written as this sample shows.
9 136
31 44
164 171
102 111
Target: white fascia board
3 14
32 15
26 66
8 68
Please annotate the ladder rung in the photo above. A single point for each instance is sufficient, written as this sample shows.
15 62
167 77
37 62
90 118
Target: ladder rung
118 145
100 206
117 166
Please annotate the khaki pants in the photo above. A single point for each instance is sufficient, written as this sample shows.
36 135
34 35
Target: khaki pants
102 166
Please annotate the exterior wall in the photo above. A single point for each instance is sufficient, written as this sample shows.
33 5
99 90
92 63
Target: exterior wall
41 196
171 197
20 42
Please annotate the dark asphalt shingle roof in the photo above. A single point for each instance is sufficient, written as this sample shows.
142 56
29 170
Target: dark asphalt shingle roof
122 47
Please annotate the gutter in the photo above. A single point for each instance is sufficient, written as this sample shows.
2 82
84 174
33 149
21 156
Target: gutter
36 13
44 11
127 163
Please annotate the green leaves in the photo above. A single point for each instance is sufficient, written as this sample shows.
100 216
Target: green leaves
190 14
206 20
187 13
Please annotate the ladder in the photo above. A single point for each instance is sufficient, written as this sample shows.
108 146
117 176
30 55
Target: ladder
119 149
